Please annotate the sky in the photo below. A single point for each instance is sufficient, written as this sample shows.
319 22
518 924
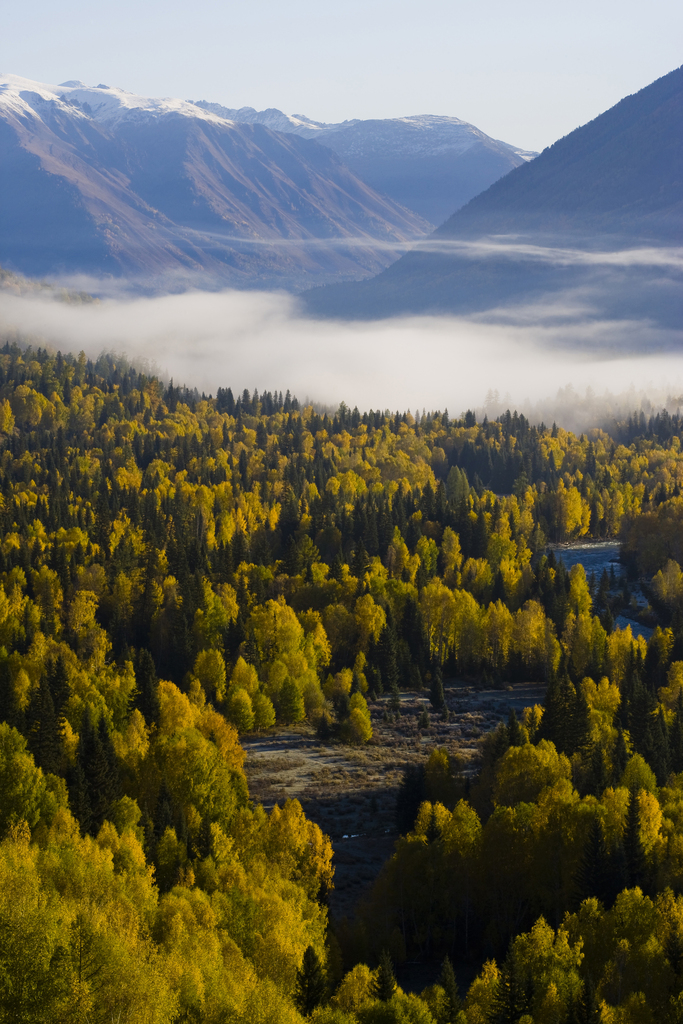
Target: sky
527 73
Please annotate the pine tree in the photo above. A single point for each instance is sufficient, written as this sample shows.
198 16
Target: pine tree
387 653
98 764
673 948
559 717
581 722
660 759
311 984
385 983
411 793
676 737
164 816
79 800
513 997
633 847
44 737
147 693
436 694
597 775
593 876
515 734
585 1008
453 1001
619 757
58 683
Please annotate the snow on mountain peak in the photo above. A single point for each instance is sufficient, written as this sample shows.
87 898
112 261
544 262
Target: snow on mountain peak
105 104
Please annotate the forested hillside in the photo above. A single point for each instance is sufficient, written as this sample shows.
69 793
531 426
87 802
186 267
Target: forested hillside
178 570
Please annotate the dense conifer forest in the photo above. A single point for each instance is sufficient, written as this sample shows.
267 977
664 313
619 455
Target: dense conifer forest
178 570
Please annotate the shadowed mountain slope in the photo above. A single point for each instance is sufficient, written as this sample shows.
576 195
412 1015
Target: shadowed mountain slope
612 185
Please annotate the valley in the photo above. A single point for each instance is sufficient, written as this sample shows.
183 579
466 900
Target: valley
350 792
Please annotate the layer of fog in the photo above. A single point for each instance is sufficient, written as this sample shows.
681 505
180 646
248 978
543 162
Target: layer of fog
493 247
605 256
552 362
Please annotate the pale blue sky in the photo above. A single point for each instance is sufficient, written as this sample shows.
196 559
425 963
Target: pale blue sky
526 72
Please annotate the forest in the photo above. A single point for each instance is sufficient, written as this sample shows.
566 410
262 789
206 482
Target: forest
178 571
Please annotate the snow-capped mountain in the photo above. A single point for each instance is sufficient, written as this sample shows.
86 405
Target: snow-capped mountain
431 163
101 180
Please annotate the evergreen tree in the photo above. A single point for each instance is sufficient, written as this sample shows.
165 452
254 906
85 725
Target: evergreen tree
619 757
411 793
79 800
436 694
585 1008
44 737
515 734
597 774
58 682
385 983
660 758
147 692
593 876
512 998
387 653
673 948
94 758
559 716
163 812
580 722
676 737
453 1002
633 847
311 984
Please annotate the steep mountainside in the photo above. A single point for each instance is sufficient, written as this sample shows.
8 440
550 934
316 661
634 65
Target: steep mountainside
612 185
429 163
102 181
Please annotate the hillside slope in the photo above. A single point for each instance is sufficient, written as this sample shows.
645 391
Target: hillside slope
612 185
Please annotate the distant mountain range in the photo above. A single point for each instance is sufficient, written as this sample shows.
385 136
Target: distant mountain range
613 185
96 180
428 163
102 181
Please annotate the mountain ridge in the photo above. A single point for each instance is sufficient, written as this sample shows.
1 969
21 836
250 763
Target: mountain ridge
103 181
431 163
613 184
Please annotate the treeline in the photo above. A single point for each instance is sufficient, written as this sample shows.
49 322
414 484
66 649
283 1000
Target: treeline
176 569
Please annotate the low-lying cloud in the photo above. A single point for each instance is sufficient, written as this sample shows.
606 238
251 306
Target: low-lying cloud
526 358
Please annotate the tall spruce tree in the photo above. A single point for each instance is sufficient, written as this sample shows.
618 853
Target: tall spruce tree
147 692
633 847
676 737
311 984
512 998
619 757
436 694
58 682
593 876
515 734
585 1008
453 1002
44 737
385 981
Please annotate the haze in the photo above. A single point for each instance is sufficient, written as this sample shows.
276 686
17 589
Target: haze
540 361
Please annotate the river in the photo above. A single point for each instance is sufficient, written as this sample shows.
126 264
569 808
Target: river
596 556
